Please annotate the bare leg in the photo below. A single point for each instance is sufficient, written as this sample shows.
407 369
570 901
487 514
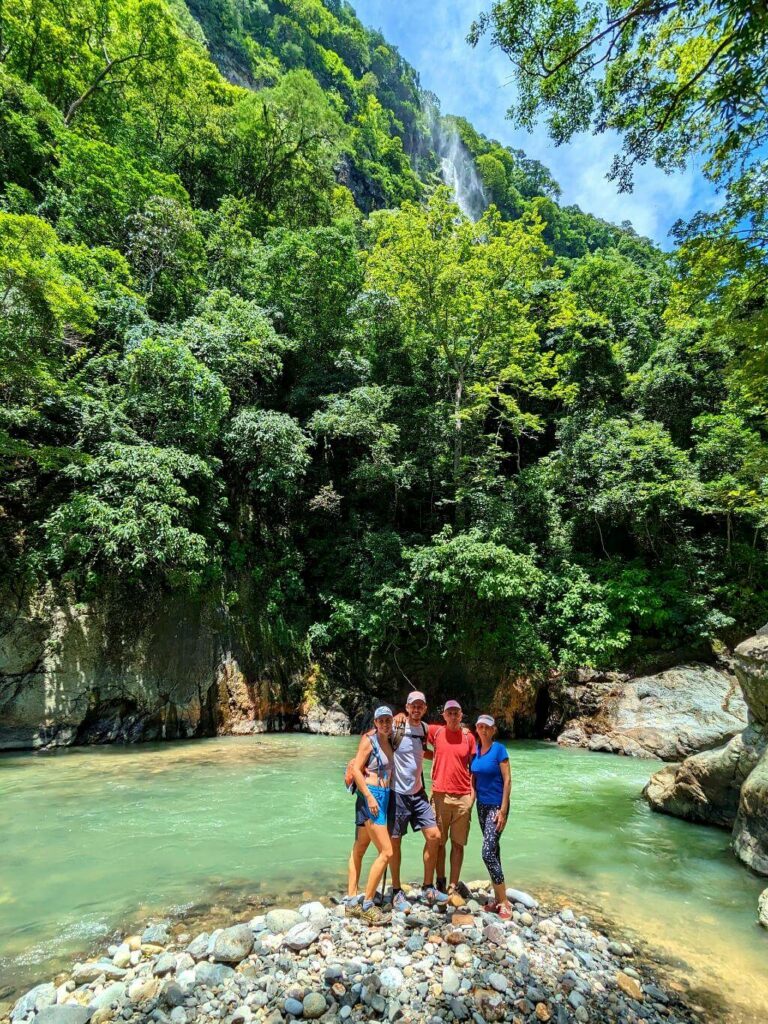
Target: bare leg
457 859
500 892
361 844
394 864
440 863
431 846
380 838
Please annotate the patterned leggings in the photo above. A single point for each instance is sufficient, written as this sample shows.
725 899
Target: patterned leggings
491 851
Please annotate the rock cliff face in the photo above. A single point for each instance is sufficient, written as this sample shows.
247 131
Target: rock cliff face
729 786
667 716
75 674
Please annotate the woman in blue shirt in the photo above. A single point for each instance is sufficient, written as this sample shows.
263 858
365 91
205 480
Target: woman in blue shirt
492 783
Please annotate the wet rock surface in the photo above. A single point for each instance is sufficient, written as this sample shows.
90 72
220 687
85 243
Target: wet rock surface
427 965
668 716
729 786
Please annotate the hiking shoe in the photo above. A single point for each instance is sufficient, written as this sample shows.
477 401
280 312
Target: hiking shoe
371 915
353 906
463 890
440 884
400 903
433 895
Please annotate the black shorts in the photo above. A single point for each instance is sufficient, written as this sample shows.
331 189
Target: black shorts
412 809
361 811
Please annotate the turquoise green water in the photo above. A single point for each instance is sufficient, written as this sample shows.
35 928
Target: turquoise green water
93 837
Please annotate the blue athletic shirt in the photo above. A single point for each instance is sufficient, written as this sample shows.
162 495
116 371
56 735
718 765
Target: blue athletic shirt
488 780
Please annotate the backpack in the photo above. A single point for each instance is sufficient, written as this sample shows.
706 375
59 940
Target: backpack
349 778
399 731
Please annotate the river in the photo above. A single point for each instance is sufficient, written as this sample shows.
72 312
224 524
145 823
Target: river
96 837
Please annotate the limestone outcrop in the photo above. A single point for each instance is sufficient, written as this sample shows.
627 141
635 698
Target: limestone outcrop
75 674
729 786
667 716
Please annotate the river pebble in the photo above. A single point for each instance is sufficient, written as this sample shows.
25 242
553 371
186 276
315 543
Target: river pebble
467 965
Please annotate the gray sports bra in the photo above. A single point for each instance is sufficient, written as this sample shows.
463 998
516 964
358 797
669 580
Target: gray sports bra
378 761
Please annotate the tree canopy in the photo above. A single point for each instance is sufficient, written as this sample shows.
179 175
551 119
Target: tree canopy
252 351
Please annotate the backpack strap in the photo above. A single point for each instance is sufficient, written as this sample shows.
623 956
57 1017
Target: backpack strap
377 753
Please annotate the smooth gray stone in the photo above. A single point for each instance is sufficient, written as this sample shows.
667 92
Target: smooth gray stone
198 947
301 936
83 974
212 974
165 964
34 1000
314 1005
64 1015
233 944
282 920
157 934
518 896
114 993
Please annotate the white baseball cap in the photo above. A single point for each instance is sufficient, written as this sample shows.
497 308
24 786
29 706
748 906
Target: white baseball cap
415 695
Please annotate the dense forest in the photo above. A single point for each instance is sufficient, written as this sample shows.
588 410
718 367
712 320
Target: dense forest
251 348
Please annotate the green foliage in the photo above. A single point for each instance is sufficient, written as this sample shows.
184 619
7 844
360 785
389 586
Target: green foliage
30 130
523 444
98 188
672 78
626 475
172 398
235 338
269 449
462 292
139 515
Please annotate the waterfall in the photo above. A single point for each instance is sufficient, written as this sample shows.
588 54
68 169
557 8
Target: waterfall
457 168
460 174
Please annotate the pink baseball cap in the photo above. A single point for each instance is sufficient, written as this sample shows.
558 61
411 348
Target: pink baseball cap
415 695
451 704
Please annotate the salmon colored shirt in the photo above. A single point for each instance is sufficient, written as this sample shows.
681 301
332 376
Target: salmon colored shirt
454 750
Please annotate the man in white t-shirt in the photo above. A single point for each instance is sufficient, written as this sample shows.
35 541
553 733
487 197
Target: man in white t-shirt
408 801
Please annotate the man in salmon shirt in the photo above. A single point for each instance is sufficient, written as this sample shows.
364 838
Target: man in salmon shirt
452 796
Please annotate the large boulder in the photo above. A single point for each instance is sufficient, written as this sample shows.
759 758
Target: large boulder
325 721
729 786
706 787
668 716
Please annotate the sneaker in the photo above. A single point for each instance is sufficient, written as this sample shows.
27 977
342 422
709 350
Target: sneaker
433 895
491 907
400 903
504 911
371 915
353 906
440 884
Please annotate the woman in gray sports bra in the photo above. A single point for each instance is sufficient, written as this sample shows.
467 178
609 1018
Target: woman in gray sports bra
372 771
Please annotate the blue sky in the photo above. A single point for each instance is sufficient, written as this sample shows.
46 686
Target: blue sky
431 35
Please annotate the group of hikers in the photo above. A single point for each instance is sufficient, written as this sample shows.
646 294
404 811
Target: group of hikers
387 774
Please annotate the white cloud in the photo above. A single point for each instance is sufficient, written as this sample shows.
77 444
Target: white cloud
476 84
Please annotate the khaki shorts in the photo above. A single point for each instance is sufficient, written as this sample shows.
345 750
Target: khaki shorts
454 814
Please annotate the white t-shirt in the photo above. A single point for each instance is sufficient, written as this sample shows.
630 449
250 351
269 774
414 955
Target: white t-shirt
409 759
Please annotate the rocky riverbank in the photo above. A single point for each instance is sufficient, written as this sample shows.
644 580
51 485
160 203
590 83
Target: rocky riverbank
317 963
728 786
